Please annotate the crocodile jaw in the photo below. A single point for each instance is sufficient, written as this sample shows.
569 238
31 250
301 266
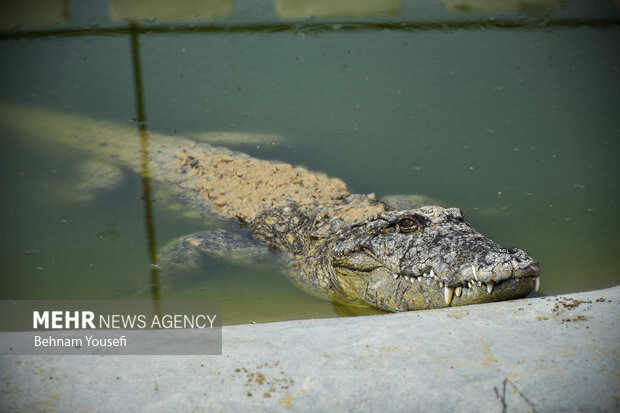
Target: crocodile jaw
379 288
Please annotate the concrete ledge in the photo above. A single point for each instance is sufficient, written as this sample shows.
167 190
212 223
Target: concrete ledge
556 353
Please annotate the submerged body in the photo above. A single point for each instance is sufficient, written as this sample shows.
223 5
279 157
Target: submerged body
350 248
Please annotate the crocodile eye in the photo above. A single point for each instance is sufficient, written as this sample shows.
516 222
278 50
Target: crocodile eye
407 225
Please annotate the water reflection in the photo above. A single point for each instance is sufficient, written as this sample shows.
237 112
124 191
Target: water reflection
33 13
300 9
145 174
64 18
504 6
165 10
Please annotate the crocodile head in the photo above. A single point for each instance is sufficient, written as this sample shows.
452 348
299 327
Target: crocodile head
426 258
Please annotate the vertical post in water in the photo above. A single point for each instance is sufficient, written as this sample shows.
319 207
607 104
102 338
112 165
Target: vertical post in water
144 148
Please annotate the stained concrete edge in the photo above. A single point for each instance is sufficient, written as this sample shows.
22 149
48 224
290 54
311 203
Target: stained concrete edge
557 353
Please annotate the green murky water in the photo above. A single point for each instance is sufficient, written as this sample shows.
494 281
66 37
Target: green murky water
512 117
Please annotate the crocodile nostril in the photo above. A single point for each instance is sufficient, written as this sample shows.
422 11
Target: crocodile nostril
512 250
534 268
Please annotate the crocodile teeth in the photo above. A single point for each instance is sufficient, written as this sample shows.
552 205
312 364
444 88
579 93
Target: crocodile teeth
447 294
458 290
412 279
433 274
473 269
395 276
537 285
441 284
489 286
479 283
406 278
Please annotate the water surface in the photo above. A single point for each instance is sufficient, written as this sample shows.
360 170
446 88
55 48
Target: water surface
514 123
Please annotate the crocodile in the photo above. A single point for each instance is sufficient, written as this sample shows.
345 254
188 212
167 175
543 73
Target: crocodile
351 248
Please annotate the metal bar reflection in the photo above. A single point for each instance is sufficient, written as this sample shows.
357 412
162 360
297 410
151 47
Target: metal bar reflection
145 175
